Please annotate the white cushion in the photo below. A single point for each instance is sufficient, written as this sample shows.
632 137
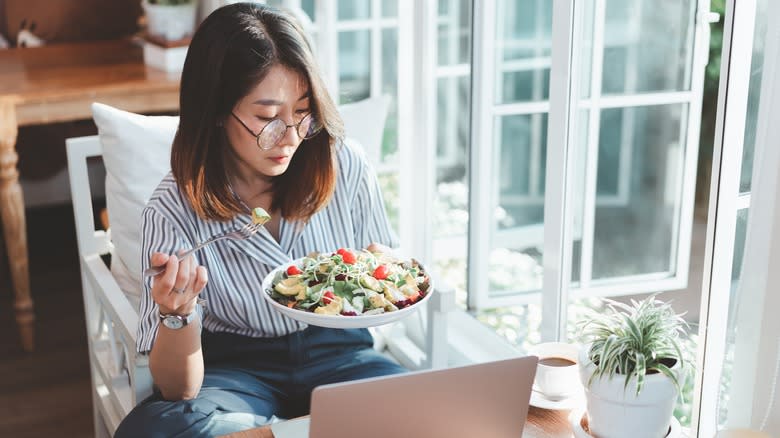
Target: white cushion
136 154
364 122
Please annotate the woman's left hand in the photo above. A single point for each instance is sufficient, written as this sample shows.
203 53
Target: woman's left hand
378 247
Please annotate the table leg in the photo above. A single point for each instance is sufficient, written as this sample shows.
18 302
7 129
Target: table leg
14 229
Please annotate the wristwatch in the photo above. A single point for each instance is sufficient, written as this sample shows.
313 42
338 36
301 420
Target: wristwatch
175 322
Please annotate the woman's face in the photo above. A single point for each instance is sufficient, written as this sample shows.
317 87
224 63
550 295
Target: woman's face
282 94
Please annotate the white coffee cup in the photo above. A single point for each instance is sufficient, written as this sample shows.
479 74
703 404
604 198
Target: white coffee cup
557 375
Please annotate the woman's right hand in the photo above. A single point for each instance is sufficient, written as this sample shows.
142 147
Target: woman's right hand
176 290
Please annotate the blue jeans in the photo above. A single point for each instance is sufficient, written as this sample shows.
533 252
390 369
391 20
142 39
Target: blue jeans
248 381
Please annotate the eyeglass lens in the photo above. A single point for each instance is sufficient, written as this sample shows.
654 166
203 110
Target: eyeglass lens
275 130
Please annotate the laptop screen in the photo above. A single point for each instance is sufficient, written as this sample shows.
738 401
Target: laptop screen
483 400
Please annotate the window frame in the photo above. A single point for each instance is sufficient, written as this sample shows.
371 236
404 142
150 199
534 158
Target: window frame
725 202
483 197
417 109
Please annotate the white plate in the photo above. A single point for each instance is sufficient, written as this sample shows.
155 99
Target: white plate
572 402
340 321
577 420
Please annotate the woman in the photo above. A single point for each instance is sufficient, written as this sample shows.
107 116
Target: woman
257 129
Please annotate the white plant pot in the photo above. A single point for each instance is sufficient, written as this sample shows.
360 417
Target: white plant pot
170 23
615 411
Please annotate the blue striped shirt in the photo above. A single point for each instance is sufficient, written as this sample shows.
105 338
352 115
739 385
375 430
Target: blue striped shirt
354 218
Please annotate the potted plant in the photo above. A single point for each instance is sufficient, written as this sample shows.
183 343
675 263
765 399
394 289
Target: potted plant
170 20
632 368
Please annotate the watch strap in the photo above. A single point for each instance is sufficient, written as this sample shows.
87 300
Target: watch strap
185 319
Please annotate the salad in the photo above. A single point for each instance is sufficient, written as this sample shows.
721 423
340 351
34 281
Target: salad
260 216
350 283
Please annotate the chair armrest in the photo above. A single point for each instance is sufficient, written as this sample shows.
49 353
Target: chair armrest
112 325
441 303
111 297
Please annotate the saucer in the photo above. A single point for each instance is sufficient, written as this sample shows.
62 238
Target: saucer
579 425
539 400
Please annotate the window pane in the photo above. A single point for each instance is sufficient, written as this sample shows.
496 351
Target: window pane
390 87
585 48
523 35
520 325
454 27
580 151
451 218
518 238
354 9
637 35
354 65
452 126
389 8
639 188
731 326
388 184
754 90
308 7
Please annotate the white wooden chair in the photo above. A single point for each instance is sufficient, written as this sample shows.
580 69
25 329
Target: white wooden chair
120 376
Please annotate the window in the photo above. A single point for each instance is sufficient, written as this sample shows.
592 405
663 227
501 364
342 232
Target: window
633 142
533 190
357 45
742 77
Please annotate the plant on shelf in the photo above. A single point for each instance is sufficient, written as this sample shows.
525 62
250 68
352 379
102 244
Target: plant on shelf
632 367
170 20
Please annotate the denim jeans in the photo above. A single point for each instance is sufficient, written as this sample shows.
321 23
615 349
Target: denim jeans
249 381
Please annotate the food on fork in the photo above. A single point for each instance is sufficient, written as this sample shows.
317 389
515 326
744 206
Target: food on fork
350 283
260 216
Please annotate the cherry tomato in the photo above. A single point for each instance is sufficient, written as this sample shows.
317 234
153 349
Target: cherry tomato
347 256
293 270
380 273
327 297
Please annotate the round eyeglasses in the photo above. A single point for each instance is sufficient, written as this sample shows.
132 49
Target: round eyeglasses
274 130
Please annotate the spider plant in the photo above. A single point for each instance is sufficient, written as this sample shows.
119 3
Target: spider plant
635 340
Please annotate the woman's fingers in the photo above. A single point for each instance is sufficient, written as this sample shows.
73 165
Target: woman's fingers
159 259
175 289
165 282
185 275
201 278
378 247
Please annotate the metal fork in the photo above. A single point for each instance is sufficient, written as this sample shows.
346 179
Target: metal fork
242 233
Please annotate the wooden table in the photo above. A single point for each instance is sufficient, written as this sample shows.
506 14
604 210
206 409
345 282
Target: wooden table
541 423
57 84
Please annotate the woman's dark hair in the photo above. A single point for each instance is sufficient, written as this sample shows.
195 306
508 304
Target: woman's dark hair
230 53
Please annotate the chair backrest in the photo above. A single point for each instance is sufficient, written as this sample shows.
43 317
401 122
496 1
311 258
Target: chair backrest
120 376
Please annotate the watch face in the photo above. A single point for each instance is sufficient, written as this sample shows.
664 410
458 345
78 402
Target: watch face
173 322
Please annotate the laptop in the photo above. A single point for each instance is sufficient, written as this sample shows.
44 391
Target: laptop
485 400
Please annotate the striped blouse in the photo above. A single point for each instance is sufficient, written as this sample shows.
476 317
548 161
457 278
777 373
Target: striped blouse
354 218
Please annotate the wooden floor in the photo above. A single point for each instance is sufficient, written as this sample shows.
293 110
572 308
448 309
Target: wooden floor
46 393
